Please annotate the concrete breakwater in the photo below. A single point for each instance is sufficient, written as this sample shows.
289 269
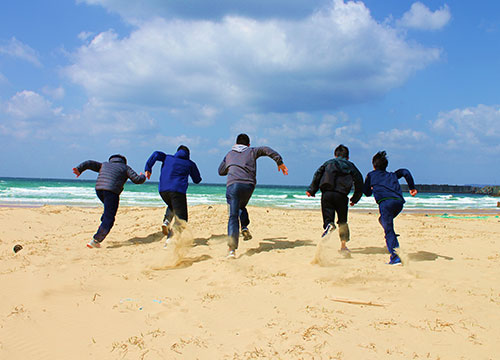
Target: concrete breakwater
456 189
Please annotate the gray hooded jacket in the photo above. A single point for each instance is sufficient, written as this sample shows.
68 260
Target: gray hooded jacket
240 163
112 174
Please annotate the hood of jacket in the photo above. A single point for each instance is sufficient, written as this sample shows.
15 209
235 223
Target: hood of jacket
117 158
342 164
182 154
239 148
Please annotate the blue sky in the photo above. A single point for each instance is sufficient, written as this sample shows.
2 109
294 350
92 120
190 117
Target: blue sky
89 78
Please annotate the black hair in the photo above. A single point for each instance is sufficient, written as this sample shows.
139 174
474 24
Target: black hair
118 156
342 151
183 147
380 161
243 139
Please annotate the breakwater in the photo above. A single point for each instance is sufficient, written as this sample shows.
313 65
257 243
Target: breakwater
455 189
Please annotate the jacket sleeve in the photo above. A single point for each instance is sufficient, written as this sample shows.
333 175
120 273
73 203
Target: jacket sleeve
367 186
407 175
358 184
223 168
314 187
89 165
156 156
195 173
132 175
267 151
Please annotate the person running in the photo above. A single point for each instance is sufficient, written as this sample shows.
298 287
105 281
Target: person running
387 192
335 179
113 174
240 167
175 171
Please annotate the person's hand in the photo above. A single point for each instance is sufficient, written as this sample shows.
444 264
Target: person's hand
76 172
309 194
413 192
148 174
351 203
283 169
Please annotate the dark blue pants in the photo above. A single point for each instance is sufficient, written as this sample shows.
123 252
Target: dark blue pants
389 209
237 196
110 201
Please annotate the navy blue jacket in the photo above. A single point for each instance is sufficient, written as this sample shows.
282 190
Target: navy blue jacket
385 185
113 174
175 170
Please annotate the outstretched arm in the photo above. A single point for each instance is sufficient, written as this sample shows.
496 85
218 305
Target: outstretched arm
136 179
223 168
195 173
156 156
314 187
367 186
87 165
409 180
358 186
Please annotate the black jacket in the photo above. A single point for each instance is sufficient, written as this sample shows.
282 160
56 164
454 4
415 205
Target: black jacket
338 175
112 174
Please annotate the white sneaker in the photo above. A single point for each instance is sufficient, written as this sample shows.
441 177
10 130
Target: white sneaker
231 254
166 243
165 228
93 244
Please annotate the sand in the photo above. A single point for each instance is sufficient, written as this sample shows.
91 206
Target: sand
133 299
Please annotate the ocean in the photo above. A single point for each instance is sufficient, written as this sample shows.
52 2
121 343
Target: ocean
38 192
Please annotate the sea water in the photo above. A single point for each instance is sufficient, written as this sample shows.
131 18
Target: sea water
38 192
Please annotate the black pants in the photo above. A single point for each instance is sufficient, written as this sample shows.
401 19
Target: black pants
110 201
176 205
334 202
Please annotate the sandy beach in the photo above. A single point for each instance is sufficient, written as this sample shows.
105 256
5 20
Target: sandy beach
133 299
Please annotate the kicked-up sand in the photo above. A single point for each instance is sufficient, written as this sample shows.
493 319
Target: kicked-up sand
288 294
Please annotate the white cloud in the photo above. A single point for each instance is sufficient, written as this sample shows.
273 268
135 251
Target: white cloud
28 104
298 132
478 126
27 113
336 56
398 139
17 49
55 93
420 17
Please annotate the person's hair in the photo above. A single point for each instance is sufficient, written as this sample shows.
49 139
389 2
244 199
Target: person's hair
380 161
243 139
183 147
341 151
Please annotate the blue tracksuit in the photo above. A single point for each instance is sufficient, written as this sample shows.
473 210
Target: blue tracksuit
385 188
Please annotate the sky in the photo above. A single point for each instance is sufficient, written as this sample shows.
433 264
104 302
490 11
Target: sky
86 79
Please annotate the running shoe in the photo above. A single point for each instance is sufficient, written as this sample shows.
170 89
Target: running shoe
93 244
329 227
246 234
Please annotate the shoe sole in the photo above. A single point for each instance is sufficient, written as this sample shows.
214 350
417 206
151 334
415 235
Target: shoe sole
93 247
164 229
